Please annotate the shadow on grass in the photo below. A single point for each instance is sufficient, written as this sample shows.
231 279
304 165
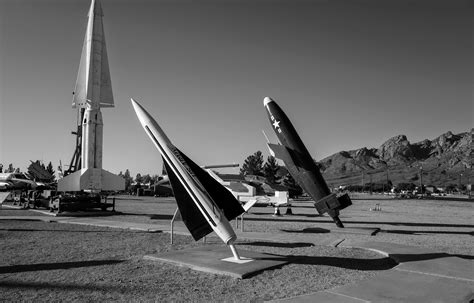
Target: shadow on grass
59 286
53 266
312 230
329 221
64 230
375 199
151 216
414 232
279 244
403 258
347 263
161 217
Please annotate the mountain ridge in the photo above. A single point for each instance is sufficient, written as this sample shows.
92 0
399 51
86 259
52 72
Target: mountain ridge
443 160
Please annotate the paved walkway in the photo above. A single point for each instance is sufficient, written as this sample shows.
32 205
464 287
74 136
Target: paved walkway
422 275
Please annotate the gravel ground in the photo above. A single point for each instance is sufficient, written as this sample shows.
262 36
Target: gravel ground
63 262
441 225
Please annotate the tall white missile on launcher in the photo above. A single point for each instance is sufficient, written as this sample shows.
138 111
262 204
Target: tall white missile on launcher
93 90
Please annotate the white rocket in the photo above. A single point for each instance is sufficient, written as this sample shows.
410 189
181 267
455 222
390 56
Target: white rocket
205 205
93 91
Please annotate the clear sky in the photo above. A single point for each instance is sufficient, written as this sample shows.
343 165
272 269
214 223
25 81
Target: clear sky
348 74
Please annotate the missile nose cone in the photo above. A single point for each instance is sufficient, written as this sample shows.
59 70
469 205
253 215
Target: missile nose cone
139 110
136 105
267 100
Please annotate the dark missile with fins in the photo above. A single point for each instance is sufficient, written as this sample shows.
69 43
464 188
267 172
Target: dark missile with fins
301 165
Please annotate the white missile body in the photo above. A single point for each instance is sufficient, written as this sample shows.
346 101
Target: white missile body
193 186
93 90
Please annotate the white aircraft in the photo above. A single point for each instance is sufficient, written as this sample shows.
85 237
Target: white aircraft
12 181
242 191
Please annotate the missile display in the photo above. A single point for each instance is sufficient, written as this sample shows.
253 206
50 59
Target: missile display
301 165
93 90
204 204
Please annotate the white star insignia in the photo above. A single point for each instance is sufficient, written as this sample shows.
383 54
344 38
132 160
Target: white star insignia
276 124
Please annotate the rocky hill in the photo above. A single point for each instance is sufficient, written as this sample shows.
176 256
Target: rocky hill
441 160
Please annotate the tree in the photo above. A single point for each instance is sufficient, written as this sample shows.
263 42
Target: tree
270 170
253 165
128 179
450 188
293 188
50 170
138 178
406 186
146 179
10 168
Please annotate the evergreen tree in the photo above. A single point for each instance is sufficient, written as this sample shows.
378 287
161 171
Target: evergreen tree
146 179
128 179
139 178
50 170
270 170
293 188
253 165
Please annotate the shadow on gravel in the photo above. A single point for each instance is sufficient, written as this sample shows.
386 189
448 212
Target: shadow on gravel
61 230
161 217
402 258
279 244
53 266
347 263
151 216
311 230
59 286
414 232
329 221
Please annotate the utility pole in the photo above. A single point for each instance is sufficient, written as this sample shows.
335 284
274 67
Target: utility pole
469 182
370 184
421 180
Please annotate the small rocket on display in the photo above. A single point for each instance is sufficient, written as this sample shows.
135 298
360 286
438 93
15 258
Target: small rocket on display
301 165
205 205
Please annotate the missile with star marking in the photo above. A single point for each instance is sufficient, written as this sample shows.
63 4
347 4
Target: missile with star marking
301 165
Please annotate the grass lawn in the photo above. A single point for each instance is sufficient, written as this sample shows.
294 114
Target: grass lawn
42 261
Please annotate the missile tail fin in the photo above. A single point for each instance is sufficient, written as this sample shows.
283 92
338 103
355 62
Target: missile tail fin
283 153
80 89
190 213
106 95
93 84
